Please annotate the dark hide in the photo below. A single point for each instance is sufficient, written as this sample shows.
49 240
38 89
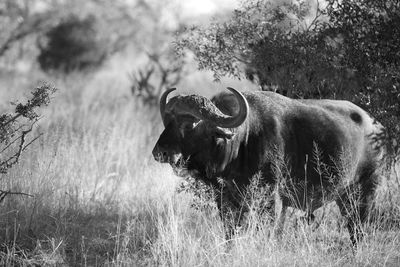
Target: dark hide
327 147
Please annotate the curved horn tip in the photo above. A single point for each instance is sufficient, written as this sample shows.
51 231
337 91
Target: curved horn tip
170 89
163 103
243 108
231 89
164 95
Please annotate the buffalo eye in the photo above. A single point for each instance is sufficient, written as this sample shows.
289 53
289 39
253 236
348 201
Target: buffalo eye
224 133
186 127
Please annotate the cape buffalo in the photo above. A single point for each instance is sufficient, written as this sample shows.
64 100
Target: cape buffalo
328 147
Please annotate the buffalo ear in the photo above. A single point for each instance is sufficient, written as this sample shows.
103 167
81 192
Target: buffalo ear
224 133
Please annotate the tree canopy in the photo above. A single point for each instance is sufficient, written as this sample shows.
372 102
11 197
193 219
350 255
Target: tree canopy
306 49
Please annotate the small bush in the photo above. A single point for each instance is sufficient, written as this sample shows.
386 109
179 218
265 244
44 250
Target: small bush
16 128
74 44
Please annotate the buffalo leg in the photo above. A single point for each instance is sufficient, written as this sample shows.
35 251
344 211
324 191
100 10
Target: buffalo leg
350 210
230 209
280 222
356 205
280 214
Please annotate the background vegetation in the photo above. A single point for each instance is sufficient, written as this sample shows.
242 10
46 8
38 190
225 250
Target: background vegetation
93 195
311 49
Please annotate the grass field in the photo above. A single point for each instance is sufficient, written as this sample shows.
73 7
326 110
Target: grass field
101 200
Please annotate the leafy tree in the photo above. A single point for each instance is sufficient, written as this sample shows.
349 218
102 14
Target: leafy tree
345 49
371 38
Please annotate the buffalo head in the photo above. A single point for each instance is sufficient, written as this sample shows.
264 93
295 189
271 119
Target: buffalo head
197 134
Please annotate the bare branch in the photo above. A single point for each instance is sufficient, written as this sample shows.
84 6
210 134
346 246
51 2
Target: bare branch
14 118
155 77
10 144
33 140
318 14
27 26
3 194
15 158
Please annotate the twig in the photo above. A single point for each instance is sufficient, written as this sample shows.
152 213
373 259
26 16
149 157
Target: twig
3 194
10 144
33 140
318 14
11 120
21 147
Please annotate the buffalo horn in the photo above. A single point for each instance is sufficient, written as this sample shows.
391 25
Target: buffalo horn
203 109
163 103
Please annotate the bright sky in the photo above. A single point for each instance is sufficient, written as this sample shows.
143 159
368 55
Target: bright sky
203 7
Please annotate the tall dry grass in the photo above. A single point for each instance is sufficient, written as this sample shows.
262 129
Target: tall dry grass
101 200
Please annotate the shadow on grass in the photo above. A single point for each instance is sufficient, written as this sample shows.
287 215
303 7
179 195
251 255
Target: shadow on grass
91 235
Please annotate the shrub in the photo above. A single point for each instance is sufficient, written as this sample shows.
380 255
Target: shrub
16 127
163 70
74 44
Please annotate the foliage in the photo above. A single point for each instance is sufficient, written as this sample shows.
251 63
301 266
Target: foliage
16 127
203 196
260 39
25 26
345 49
18 21
74 44
371 38
163 70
